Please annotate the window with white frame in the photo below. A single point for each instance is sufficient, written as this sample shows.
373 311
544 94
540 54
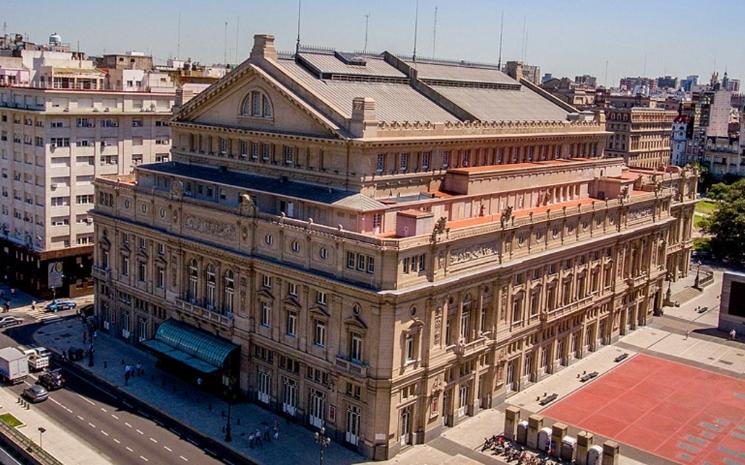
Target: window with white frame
291 323
266 315
228 291
319 333
355 347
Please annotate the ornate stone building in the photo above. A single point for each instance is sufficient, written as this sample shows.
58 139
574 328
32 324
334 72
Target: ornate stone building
393 245
641 135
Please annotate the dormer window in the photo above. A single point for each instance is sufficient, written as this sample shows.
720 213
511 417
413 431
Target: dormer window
258 105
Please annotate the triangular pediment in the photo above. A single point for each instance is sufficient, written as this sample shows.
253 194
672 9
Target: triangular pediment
319 311
265 293
292 302
355 321
222 104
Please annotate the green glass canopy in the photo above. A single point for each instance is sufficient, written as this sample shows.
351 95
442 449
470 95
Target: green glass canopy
191 346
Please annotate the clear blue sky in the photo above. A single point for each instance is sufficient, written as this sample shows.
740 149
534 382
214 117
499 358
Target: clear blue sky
565 37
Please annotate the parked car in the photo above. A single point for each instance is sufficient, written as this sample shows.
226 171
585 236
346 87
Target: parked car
86 310
60 304
10 321
36 393
52 380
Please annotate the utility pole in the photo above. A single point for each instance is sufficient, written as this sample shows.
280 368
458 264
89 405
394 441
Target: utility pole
178 38
434 35
237 38
225 47
416 28
367 24
501 33
297 44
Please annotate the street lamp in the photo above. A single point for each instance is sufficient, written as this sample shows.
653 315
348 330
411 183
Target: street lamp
323 441
42 430
228 428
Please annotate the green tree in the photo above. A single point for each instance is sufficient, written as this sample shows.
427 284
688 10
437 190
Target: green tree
727 223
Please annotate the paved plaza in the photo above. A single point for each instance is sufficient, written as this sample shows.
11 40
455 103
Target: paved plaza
663 407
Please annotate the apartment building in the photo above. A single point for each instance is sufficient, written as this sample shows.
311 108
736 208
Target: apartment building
383 246
641 135
62 123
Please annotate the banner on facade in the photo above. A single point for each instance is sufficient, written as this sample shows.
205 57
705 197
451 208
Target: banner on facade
54 275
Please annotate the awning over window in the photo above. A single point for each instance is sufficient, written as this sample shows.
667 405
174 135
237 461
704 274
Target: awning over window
191 346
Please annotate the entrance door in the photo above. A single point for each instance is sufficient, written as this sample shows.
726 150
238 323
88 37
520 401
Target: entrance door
447 407
317 407
405 428
511 375
289 399
264 388
352 435
141 329
462 399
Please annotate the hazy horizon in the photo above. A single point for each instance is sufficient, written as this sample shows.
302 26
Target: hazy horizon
642 38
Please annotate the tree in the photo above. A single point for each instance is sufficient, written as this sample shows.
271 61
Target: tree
727 223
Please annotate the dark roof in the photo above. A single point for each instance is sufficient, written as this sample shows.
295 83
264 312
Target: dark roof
279 186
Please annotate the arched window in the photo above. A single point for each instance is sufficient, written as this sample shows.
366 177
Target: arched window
193 279
228 292
211 284
257 104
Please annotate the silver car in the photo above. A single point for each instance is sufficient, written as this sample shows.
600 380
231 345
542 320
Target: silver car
36 393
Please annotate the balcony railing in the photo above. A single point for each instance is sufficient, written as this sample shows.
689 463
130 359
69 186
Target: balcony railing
101 273
350 366
203 312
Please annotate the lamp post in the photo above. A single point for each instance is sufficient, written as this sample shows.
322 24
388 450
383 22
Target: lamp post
42 430
697 281
323 442
228 428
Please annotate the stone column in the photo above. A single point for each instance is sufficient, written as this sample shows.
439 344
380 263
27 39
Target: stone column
535 423
610 453
511 419
584 442
558 431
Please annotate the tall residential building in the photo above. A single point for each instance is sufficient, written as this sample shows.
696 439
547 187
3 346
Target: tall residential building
679 145
586 80
382 246
668 82
63 122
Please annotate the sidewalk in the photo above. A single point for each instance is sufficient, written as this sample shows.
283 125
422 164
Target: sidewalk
64 446
200 410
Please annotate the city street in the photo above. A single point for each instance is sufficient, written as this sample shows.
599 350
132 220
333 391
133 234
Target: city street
106 423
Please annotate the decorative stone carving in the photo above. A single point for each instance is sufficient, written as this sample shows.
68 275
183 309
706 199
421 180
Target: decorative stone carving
177 189
210 227
506 216
474 252
438 325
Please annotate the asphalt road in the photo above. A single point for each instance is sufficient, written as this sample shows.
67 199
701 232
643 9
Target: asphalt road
106 423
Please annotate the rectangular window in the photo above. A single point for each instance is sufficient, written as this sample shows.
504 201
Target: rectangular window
350 259
404 162
266 281
319 333
321 297
160 276
425 160
266 314
125 265
445 159
292 289
141 272
380 163
355 347
291 323
289 153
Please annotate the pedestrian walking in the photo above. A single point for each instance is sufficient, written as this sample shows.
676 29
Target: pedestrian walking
140 370
732 334
687 332
33 305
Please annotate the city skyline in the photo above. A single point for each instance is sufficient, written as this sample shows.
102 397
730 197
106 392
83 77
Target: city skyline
391 27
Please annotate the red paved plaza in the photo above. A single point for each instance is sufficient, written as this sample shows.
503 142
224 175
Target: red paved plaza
684 414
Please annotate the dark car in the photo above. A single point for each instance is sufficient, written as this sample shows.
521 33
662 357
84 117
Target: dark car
60 304
36 393
75 354
86 310
10 321
52 380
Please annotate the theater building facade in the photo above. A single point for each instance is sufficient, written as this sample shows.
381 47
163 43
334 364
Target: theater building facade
393 244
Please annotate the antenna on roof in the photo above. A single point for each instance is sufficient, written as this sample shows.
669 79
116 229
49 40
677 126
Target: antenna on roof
525 37
297 44
225 46
367 23
434 35
416 28
501 33
178 38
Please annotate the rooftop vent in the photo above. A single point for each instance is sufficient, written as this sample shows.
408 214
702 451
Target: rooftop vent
351 58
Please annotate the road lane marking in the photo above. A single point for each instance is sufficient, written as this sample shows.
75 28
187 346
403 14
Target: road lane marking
143 458
154 440
168 448
80 418
104 433
91 425
139 431
117 441
128 425
129 449
103 410
61 405
183 458
114 417
85 399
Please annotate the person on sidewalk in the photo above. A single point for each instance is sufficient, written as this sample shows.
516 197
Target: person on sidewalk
140 371
732 334
33 305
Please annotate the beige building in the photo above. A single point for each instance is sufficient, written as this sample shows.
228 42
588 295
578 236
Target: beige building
59 130
641 135
389 246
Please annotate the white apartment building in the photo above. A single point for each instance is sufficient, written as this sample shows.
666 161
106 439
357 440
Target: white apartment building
58 131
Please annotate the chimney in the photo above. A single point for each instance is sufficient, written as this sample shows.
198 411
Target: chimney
514 69
363 122
263 47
